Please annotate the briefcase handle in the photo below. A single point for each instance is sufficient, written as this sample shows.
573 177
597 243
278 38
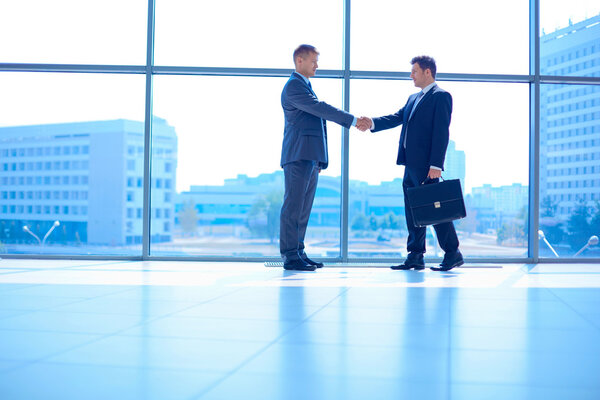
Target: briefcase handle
429 179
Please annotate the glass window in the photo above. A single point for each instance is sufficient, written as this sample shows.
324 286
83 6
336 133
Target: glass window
569 36
496 191
569 215
54 111
460 35
243 28
74 31
228 179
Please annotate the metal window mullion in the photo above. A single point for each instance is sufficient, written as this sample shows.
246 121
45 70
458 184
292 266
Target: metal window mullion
345 137
534 135
148 133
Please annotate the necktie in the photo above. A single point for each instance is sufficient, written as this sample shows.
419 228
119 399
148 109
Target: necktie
415 105
411 114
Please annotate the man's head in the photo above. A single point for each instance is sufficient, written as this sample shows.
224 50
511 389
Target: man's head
305 60
423 71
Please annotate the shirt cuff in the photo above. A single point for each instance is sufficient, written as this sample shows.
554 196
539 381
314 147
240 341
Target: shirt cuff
434 167
354 122
372 124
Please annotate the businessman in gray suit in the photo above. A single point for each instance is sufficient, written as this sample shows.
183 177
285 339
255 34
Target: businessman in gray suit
303 155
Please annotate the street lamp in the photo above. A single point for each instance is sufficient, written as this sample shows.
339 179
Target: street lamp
26 229
54 225
541 236
592 241
41 242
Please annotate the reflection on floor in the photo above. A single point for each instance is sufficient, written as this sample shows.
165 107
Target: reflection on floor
184 330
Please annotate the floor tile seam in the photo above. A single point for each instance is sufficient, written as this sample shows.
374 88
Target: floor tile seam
565 273
20 313
524 326
117 300
70 332
19 365
357 346
515 276
97 265
159 317
99 338
584 317
63 268
516 304
560 384
259 352
68 297
449 348
12 272
80 300
190 338
121 366
41 359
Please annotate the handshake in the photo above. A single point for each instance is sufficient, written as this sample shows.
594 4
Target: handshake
364 123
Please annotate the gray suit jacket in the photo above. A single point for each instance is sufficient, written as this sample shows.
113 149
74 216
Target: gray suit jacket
305 131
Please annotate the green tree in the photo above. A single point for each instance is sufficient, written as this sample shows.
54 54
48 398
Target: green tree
548 207
188 218
595 222
360 222
390 221
263 217
511 230
552 227
373 223
578 226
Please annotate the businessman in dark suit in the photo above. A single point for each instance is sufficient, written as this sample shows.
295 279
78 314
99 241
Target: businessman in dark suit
425 121
303 155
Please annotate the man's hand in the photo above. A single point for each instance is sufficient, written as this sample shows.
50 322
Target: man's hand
364 123
433 173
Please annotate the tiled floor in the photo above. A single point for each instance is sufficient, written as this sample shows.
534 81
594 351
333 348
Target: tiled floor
184 330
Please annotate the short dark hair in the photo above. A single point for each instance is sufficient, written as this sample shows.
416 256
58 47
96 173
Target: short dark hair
425 62
303 50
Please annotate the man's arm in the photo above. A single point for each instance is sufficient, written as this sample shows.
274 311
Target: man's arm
441 129
300 97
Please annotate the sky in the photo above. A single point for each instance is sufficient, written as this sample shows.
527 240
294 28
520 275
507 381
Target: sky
228 126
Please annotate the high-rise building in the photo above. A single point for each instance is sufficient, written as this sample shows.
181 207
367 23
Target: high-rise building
496 205
570 117
88 176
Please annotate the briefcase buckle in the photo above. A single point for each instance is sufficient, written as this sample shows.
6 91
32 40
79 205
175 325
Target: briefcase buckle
437 204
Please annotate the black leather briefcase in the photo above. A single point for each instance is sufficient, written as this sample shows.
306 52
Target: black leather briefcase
435 203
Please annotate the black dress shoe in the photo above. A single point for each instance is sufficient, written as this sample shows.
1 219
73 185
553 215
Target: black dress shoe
412 262
311 262
298 265
449 262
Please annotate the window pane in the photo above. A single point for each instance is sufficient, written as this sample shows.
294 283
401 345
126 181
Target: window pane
240 33
460 35
227 185
73 31
569 170
488 152
63 157
570 38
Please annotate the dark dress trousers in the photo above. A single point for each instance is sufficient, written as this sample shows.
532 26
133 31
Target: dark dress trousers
427 135
303 155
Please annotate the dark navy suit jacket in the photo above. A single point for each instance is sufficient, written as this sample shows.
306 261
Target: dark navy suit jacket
305 131
428 129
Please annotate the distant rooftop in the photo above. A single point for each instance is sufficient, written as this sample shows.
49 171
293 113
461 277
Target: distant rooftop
572 28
